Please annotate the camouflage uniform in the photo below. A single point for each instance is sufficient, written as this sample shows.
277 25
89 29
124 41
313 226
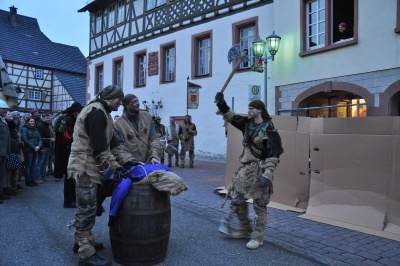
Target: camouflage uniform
87 170
187 132
257 160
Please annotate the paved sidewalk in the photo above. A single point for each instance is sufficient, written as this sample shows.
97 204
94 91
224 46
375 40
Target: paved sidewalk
322 242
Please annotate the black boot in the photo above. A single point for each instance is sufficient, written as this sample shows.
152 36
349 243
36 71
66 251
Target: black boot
94 260
97 246
4 197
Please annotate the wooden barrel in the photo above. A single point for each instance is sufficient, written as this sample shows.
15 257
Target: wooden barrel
139 234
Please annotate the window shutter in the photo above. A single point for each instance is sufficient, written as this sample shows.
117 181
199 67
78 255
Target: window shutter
43 96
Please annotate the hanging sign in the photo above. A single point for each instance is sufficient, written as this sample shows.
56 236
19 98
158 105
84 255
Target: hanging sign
193 95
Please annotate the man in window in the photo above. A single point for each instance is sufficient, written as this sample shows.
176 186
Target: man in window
343 33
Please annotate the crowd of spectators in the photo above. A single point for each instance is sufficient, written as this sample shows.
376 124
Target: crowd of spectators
29 154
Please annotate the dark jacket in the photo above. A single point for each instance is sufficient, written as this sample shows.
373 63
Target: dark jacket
45 133
5 143
31 138
13 128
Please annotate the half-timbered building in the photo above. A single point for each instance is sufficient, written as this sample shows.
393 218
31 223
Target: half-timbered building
49 76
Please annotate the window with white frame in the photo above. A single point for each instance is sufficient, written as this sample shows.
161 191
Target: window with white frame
121 12
34 95
315 24
169 64
39 73
247 36
154 3
203 67
141 70
99 79
111 16
118 73
98 22
327 24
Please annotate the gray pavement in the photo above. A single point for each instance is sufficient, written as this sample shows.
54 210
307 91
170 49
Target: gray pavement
33 231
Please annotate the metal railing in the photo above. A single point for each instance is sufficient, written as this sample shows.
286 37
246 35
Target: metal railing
305 109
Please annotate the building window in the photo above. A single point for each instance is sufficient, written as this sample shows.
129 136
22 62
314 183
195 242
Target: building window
168 62
117 72
98 23
34 95
154 3
39 73
140 69
98 85
201 47
121 12
111 16
244 33
327 24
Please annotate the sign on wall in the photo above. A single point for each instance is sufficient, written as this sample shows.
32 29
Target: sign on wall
254 92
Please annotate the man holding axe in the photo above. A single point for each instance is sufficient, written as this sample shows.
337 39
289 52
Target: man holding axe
262 147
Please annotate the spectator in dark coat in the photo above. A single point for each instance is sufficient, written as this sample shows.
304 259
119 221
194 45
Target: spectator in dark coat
47 140
64 129
30 136
5 145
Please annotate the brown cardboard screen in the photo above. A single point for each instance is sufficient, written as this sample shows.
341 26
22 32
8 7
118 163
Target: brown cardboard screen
339 169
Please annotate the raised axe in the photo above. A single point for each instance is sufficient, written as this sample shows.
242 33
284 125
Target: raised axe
235 54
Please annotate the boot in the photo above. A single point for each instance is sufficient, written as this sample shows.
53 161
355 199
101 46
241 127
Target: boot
4 197
182 166
245 228
97 246
94 260
253 244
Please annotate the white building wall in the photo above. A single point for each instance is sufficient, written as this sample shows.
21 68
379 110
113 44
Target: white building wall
211 140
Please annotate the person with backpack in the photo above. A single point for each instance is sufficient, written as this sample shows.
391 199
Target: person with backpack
64 130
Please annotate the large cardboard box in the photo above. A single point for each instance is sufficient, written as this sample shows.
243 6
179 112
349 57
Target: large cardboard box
353 171
344 171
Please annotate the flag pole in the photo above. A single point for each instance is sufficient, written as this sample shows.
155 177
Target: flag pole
187 95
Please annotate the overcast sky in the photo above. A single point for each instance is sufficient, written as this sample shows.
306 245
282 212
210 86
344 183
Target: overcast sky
58 19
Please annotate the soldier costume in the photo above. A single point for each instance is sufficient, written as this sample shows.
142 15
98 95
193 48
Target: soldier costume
187 132
172 131
160 131
138 133
261 150
90 156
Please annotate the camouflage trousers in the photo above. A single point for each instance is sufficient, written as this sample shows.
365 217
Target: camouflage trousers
246 184
85 215
187 146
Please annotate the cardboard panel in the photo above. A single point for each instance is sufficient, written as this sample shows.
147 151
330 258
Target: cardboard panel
233 150
351 173
291 183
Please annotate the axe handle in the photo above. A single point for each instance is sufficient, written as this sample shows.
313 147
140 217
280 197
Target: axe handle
233 71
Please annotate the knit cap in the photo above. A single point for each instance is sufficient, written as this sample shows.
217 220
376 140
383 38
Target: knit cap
127 99
111 92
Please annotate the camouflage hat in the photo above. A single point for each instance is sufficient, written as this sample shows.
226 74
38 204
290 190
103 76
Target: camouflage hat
111 92
157 118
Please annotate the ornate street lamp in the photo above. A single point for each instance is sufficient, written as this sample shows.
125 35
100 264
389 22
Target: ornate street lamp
272 44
